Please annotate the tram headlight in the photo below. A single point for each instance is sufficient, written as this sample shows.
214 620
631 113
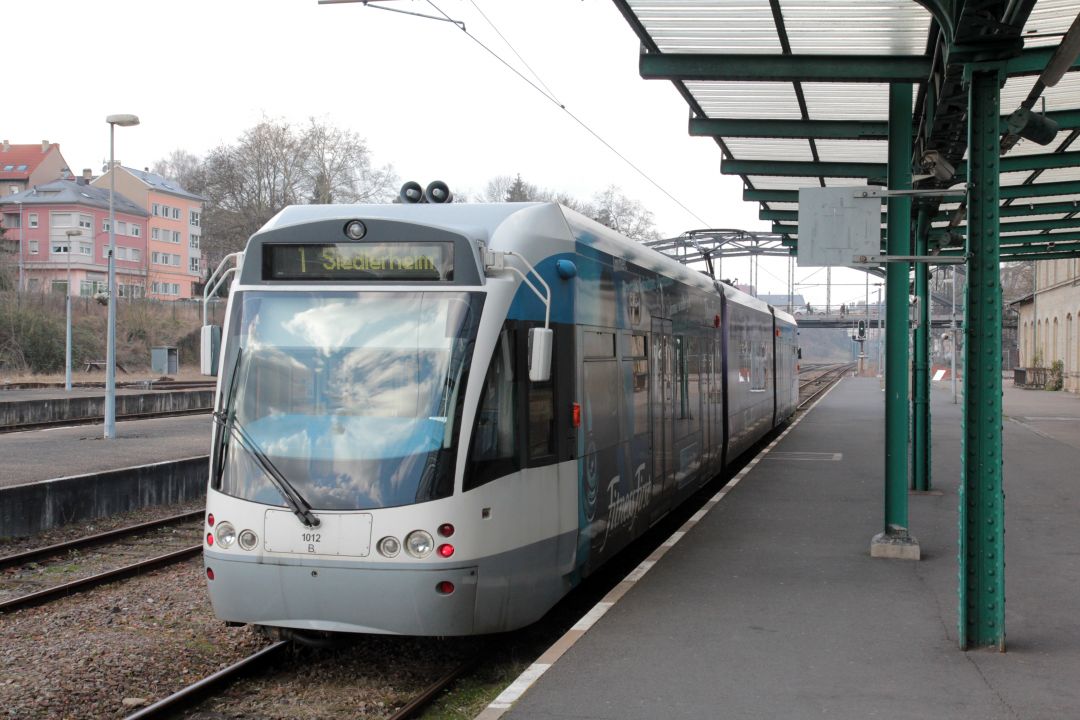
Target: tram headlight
389 546
226 535
419 544
355 230
248 539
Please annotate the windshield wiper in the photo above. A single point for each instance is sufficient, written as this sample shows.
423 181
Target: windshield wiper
300 507
221 417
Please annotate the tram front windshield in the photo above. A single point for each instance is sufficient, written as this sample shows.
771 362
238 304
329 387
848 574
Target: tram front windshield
354 397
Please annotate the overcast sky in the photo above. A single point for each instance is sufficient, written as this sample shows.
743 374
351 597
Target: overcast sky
427 98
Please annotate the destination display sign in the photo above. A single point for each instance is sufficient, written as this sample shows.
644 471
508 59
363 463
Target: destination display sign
387 261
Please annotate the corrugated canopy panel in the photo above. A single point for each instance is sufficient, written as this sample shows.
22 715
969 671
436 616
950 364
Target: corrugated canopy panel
707 26
772 149
892 34
882 27
773 100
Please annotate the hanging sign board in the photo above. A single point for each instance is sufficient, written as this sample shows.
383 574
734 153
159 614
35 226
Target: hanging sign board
837 224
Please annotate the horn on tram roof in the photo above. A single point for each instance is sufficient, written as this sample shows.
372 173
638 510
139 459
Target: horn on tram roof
411 192
438 192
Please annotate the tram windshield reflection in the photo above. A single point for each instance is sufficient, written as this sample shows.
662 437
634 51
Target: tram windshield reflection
354 396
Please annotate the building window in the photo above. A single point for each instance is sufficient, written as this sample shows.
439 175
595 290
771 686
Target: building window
193 242
33 220
63 220
33 247
193 264
85 221
34 285
176 237
136 231
121 227
194 219
136 255
12 221
157 209
59 248
121 253
59 286
14 189
105 225
86 249
176 213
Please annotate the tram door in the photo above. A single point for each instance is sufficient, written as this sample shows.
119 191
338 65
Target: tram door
661 397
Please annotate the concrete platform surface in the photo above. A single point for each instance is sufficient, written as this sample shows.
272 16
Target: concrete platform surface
771 606
36 455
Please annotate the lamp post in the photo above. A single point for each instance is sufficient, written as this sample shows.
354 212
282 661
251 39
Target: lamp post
22 261
110 349
67 343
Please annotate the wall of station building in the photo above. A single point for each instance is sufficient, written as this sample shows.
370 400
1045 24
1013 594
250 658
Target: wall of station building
1050 321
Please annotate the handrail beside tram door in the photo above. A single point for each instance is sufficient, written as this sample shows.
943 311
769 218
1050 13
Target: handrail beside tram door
210 335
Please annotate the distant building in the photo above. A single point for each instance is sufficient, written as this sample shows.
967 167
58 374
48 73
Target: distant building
37 222
23 166
1050 320
175 263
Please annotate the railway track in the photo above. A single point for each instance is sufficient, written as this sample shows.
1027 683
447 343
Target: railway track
207 687
61 551
821 378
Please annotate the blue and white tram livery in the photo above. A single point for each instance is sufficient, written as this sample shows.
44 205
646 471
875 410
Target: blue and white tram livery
392 455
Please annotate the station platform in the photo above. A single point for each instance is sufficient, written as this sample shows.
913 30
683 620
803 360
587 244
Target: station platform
40 455
770 606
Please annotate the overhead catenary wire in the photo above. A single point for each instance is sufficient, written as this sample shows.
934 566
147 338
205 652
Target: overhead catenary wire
542 90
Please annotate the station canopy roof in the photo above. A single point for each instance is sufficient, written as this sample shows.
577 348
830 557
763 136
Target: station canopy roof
795 94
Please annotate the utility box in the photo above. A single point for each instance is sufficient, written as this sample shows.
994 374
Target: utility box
836 224
164 360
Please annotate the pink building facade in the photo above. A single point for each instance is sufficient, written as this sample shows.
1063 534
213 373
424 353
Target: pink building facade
174 263
61 229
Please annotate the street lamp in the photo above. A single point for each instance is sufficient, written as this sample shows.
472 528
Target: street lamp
110 349
67 345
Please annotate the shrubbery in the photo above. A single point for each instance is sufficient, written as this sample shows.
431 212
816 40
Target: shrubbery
32 332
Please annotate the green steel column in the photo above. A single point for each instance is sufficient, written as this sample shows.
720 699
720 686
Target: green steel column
895 541
920 439
982 502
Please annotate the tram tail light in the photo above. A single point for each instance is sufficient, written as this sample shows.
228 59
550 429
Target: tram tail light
446 550
209 573
445 587
576 417
209 538
446 529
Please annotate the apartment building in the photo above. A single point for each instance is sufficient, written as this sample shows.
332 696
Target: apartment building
61 230
174 262
23 166
1050 320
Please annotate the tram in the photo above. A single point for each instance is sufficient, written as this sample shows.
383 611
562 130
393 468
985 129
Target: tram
437 419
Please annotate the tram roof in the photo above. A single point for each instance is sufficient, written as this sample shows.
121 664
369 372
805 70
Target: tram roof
795 94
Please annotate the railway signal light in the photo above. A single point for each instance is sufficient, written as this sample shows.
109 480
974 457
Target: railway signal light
860 332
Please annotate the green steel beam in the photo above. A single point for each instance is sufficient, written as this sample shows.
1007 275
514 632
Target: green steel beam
829 129
1012 191
1027 250
1042 256
920 367
1030 225
800 168
808 168
1005 211
981 552
1032 62
786 68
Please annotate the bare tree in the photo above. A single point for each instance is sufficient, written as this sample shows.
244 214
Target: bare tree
181 166
624 215
340 169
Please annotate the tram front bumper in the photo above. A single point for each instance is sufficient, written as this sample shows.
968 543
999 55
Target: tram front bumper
343 599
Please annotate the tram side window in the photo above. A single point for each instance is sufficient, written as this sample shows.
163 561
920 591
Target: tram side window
494 439
541 416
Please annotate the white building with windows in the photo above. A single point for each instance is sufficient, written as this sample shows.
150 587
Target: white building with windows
1049 320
